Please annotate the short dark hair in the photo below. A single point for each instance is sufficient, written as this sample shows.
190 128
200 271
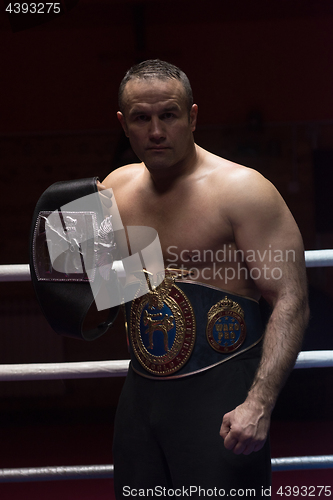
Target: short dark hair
154 68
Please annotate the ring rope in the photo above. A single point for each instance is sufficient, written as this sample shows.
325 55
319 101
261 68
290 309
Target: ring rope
57 473
56 371
21 272
62 473
119 368
302 463
314 359
318 258
15 272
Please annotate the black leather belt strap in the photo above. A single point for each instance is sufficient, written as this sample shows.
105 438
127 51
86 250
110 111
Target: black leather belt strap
65 303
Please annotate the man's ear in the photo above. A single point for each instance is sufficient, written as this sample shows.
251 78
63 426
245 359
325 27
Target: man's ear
122 120
193 117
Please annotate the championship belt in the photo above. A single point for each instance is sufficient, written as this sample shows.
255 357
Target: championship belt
183 327
79 240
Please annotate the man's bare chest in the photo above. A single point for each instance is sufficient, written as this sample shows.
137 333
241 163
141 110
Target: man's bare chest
195 233
190 228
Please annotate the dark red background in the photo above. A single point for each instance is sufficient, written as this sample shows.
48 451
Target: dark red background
262 76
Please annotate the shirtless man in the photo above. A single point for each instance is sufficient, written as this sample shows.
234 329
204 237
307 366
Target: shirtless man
198 202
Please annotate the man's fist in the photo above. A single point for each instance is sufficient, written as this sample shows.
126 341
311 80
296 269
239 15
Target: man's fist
245 429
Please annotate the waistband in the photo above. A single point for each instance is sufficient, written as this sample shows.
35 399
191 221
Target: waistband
184 327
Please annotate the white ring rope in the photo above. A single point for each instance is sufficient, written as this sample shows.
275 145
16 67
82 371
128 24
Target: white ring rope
318 258
118 368
21 272
15 272
61 473
57 473
314 359
54 371
305 463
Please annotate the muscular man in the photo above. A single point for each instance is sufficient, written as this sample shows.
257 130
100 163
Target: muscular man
231 228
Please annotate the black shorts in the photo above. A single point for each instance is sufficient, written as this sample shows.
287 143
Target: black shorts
167 434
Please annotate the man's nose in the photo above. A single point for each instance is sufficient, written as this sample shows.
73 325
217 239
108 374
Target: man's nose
156 132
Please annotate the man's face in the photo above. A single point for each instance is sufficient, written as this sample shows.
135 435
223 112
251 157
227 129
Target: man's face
157 122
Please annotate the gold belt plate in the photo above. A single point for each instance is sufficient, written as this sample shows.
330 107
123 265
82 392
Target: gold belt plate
226 329
162 328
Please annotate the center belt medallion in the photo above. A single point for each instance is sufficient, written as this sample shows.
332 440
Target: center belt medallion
162 328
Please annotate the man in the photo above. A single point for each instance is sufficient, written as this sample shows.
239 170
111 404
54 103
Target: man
205 427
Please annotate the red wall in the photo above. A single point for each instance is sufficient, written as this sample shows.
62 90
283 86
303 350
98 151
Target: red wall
64 75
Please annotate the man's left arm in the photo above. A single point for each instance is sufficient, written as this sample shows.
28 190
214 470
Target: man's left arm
264 225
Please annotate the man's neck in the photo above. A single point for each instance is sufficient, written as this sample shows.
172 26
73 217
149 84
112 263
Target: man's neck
164 178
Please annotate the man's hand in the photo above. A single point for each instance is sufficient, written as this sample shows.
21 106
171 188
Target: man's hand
245 429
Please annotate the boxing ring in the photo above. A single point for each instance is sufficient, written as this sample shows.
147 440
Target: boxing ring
101 369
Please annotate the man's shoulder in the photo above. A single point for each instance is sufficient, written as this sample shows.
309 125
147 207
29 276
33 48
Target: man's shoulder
233 175
122 174
240 191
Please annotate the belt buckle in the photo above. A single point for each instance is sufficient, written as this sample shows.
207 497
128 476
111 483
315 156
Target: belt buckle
162 328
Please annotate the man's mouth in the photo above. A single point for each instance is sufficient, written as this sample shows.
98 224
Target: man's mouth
157 148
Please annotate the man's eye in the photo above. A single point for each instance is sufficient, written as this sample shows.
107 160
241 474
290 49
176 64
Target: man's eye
167 116
142 118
